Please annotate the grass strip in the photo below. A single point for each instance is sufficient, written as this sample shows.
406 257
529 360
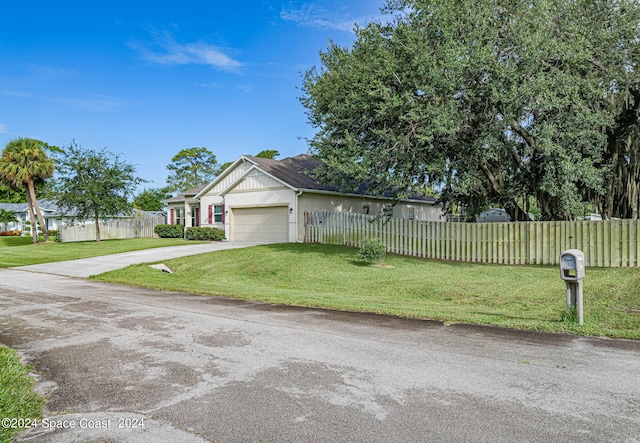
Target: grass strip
18 402
20 251
523 297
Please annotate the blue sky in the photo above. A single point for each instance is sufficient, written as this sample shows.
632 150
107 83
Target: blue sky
147 79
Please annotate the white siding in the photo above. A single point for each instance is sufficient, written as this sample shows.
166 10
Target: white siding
231 177
256 180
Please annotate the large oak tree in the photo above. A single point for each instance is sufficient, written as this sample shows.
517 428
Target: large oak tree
490 103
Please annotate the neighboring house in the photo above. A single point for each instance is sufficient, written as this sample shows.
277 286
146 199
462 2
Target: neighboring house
50 213
258 199
493 215
496 215
53 216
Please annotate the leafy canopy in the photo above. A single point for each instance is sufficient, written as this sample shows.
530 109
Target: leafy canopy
94 184
191 168
505 104
151 199
24 163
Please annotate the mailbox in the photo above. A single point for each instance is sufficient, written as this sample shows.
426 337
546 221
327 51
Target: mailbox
572 272
572 265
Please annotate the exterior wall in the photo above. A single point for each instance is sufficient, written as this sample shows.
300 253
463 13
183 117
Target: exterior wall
211 200
326 202
263 197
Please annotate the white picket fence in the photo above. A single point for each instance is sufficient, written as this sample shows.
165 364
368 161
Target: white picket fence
112 230
607 243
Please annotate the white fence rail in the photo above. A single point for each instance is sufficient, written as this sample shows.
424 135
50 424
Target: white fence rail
112 230
610 243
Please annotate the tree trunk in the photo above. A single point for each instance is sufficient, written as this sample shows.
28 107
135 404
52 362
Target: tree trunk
32 219
31 190
97 219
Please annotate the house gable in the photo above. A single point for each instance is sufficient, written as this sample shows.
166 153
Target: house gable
255 180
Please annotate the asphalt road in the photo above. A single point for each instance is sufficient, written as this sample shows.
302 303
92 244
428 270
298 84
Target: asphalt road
192 369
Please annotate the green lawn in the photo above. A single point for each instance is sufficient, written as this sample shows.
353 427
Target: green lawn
526 297
19 251
17 400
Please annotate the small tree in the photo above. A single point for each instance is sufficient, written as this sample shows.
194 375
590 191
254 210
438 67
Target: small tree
7 217
94 185
24 162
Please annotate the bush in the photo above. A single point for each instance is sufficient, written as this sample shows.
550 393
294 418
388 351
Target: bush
169 231
10 233
196 233
372 251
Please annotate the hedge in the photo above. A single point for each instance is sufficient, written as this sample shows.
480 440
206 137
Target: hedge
195 233
169 231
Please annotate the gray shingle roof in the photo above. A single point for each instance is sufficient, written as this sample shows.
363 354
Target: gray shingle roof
185 194
296 171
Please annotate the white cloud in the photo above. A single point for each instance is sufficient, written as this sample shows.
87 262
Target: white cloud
314 16
4 129
51 72
94 102
166 51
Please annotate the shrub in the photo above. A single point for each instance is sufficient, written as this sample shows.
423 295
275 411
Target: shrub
372 251
169 231
10 233
196 233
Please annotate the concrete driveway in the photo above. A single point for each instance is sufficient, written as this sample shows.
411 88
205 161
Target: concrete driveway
87 267
130 365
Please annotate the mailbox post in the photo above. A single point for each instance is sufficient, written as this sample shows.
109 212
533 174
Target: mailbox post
572 272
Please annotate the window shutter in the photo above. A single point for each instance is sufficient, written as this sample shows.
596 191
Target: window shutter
210 214
172 217
222 214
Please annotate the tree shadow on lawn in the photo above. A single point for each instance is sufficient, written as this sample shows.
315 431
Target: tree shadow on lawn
10 241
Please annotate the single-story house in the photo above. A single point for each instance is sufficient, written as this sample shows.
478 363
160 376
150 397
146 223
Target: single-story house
49 210
53 216
258 199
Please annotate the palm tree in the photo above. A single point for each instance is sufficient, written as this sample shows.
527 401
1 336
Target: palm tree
23 161
7 217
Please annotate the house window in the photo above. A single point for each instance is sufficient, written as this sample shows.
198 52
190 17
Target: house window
412 214
195 216
217 214
179 215
365 209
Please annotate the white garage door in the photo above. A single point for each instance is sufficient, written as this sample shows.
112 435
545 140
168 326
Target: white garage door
269 224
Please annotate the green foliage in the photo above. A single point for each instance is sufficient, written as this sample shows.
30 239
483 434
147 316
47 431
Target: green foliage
191 168
489 106
268 153
151 199
169 231
202 233
55 234
17 399
7 217
24 163
372 251
93 184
